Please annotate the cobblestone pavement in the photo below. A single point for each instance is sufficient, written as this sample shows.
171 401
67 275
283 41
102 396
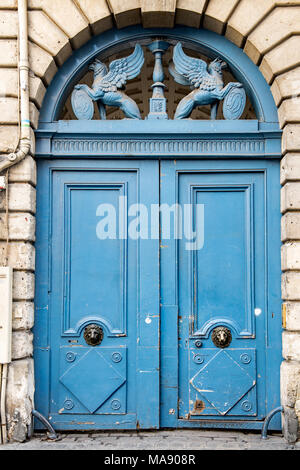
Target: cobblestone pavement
157 440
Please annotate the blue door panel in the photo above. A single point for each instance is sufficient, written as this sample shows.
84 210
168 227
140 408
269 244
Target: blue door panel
226 281
222 382
93 380
158 302
97 275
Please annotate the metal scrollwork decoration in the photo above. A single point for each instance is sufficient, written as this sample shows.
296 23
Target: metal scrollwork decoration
208 86
107 87
221 337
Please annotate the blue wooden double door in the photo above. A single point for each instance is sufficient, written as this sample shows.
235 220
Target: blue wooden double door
157 294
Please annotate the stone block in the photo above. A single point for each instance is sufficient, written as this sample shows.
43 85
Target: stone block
9 136
8 82
290 226
217 14
23 172
19 398
23 285
290 256
291 316
189 12
289 111
97 13
9 4
245 17
291 345
291 138
41 63
20 255
34 115
46 34
9 111
8 24
290 425
290 285
290 381
67 17
286 85
156 12
8 53
22 344
290 197
21 197
290 167
126 13
9 85
21 226
37 90
22 315
277 26
283 57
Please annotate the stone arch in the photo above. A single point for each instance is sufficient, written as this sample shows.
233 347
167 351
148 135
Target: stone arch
268 32
55 29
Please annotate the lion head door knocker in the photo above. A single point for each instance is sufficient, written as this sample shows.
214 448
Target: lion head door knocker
93 334
221 337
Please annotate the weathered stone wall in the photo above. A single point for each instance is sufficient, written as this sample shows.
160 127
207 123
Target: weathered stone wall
269 33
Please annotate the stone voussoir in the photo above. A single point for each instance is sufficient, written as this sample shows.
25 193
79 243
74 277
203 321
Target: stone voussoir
275 28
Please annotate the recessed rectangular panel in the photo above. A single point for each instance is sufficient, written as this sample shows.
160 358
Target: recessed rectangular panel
95 256
102 287
222 266
220 286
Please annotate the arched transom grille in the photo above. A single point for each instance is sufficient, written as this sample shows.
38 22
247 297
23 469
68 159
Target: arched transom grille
139 89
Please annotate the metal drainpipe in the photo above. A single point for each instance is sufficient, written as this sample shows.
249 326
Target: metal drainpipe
23 70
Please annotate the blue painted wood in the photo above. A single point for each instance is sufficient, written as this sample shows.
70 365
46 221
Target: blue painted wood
222 284
110 282
204 41
227 165
148 139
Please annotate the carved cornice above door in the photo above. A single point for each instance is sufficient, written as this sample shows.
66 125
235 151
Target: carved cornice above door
146 139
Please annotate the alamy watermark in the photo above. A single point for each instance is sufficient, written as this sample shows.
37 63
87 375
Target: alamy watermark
160 221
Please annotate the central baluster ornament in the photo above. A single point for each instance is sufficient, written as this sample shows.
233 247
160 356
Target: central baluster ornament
158 102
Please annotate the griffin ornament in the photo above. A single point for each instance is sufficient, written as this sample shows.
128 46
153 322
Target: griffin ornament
107 87
208 86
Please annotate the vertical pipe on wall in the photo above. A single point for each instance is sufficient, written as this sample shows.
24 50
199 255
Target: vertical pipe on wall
23 70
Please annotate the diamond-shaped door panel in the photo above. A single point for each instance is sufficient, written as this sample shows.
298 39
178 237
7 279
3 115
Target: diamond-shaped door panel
219 381
92 376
